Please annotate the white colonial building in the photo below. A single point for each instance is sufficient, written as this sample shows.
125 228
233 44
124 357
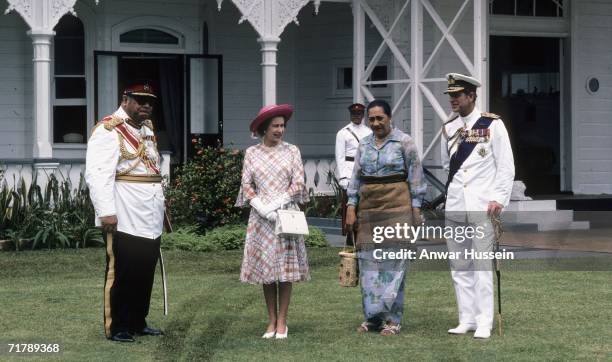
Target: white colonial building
545 66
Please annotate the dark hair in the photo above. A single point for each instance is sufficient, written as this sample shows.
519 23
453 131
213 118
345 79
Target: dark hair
382 104
467 92
264 126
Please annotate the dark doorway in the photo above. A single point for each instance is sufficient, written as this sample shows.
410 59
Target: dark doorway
525 91
165 75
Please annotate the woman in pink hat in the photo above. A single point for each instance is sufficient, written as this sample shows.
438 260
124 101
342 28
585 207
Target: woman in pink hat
272 177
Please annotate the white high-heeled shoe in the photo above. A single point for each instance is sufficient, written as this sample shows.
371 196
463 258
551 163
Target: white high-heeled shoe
268 335
283 335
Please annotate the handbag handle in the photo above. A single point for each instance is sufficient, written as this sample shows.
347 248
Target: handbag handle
349 235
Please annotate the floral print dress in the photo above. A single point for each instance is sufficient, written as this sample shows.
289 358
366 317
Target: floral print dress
267 173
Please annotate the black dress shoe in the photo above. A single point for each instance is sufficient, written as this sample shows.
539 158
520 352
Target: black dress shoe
148 331
123 337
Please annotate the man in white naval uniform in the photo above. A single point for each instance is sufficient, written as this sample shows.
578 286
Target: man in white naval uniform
124 180
476 151
347 141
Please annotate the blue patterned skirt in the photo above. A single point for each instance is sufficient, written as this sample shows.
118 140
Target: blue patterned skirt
382 288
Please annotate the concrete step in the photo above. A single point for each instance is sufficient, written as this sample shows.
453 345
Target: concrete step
532 205
572 225
324 222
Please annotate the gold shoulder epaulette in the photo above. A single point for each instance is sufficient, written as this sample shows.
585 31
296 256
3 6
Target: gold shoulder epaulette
114 122
489 115
149 124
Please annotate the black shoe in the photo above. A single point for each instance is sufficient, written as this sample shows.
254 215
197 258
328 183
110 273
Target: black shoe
148 331
122 337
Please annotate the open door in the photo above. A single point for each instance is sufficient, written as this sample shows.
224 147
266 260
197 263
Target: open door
189 95
204 100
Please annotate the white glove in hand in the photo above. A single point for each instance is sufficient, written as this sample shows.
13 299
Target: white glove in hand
261 208
280 201
344 183
272 216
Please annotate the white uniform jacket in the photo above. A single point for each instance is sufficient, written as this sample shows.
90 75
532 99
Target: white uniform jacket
346 146
488 172
111 151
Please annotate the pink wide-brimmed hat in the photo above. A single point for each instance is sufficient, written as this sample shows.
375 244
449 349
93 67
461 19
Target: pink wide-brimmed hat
271 111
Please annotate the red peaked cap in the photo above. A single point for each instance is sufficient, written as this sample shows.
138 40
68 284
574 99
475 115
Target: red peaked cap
356 108
271 111
143 90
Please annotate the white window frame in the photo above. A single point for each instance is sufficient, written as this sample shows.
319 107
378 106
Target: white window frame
59 102
348 93
188 37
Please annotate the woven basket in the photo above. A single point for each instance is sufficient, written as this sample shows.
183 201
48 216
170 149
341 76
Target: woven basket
348 273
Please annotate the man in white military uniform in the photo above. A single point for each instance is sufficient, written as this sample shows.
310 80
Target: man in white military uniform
476 151
124 180
347 141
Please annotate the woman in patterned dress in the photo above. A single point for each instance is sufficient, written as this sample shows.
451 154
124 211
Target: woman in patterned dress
386 189
272 177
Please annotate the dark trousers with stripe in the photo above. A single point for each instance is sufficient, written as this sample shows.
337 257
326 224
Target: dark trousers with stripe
130 270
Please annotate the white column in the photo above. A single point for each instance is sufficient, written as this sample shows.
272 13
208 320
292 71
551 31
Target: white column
269 47
481 49
41 40
358 49
416 55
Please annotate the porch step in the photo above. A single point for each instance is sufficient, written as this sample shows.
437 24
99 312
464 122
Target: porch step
532 205
544 213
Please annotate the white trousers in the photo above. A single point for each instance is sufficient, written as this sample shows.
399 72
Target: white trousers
473 278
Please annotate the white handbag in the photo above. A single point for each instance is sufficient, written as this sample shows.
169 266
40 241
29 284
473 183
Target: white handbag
291 223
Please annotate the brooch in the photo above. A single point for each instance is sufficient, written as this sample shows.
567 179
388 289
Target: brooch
482 151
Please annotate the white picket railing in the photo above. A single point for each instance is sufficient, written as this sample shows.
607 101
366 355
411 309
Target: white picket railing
15 170
316 171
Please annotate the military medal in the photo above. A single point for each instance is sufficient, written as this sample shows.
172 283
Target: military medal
482 151
476 135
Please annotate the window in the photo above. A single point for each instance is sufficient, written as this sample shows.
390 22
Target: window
148 36
549 8
69 95
344 78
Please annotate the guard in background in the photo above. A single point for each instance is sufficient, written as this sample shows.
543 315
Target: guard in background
124 180
347 140
476 151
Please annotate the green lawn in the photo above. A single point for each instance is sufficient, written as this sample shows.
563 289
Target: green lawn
57 297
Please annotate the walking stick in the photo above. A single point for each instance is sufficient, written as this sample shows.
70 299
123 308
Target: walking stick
163 276
168 228
498 231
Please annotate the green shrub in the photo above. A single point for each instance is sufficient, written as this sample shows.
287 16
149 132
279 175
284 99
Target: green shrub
61 217
323 205
204 190
228 237
316 239
186 238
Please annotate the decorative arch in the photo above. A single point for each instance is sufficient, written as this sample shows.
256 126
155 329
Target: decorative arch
187 37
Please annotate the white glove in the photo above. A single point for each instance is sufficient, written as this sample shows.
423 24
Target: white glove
280 201
344 183
272 216
261 208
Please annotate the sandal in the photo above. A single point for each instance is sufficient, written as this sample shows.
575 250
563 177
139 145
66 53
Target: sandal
366 326
390 330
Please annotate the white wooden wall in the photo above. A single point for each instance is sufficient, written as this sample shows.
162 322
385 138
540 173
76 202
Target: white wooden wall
592 113
15 87
242 87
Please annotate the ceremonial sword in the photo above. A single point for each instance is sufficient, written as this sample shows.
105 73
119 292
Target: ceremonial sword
498 231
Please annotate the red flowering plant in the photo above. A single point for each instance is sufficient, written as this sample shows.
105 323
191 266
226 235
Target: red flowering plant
202 192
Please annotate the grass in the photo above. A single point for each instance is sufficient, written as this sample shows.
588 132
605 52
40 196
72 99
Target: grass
56 296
